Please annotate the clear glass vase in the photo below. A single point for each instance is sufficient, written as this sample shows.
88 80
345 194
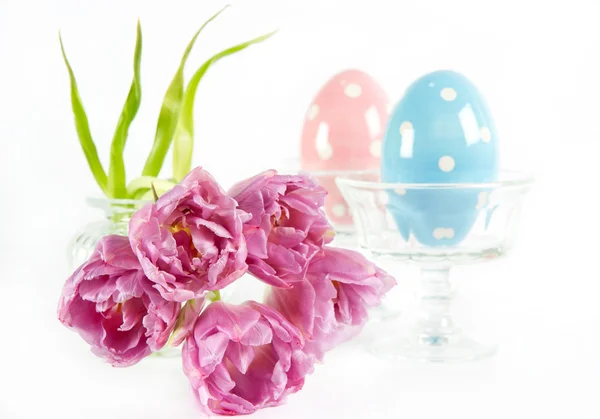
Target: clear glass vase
113 218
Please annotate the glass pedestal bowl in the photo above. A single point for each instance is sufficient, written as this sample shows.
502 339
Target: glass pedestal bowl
437 227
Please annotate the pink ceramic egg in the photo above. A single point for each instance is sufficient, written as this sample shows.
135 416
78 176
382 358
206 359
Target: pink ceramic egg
343 130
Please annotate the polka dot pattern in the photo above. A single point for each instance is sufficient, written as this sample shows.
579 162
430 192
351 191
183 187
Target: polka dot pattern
375 148
339 210
373 122
322 144
482 200
342 122
405 127
353 90
442 133
443 233
313 111
448 94
446 164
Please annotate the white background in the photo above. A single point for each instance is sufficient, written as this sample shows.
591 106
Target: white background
537 63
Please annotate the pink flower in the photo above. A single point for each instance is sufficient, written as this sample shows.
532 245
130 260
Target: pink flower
241 358
109 301
331 306
191 239
288 226
186 320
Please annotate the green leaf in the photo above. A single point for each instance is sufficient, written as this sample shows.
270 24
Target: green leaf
169 112
116 172
140 186
83 128
184 132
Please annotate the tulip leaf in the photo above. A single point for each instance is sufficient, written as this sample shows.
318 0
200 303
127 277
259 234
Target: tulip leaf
116 172
183 139
83 128
140 186
169 112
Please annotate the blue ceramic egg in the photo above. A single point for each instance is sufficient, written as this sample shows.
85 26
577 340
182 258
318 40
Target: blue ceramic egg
441 131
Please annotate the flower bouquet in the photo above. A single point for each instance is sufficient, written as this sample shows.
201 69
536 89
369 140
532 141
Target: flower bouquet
159 285
174 132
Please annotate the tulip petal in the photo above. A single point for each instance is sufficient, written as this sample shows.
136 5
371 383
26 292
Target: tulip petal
297 304
186 320
111 304
287 209
190 241
240 355
253 373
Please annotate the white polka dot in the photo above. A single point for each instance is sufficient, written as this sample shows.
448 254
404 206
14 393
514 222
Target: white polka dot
375 149
448 94
313 111
326 152
405 127
353 90
408 138
431 84
482 200
486 134
400 191
322 144
373 121
446 164
339 210
443 233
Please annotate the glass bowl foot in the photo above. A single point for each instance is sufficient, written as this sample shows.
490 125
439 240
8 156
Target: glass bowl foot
430 332
431 348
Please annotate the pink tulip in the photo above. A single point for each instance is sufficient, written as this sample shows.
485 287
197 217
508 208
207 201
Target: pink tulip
241 358
288 226
186 320
190 240
331 306
113 306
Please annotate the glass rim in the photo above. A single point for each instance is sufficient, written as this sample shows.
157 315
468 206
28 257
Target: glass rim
335 173
508 178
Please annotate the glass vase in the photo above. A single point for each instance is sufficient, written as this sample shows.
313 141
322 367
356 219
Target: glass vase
113 218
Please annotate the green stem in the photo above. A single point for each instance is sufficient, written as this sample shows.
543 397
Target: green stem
169 112
215 297
83 128
116 185
183 136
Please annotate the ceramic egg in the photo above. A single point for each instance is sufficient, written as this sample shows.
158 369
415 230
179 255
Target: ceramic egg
441 131
343 130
